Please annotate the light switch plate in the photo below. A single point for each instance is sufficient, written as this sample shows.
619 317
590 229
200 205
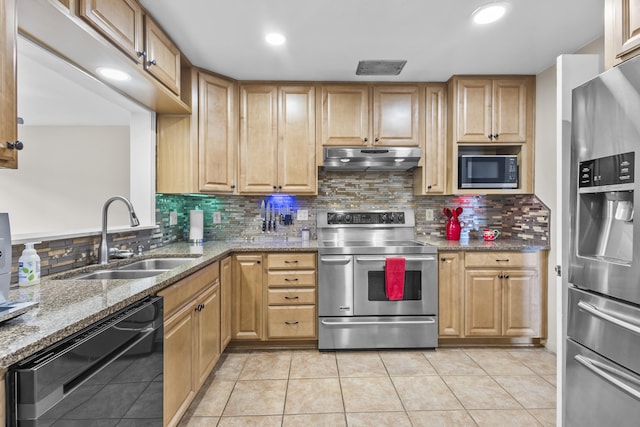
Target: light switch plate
303 215
428 213
217 218
173 218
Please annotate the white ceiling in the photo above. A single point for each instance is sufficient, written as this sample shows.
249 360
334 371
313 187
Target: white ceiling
327 38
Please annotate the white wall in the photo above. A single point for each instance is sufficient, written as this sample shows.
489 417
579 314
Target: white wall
64 176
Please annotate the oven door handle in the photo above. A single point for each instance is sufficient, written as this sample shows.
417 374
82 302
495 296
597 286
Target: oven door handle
373 322
382 258
610 373
592 309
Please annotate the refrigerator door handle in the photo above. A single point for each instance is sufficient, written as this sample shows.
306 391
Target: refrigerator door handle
608 372
608 317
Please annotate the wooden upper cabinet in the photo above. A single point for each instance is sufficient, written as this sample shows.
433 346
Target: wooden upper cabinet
8 86
345 115
163 57
396 118
297 172
622 30
493 110
432 177
119 20
217 129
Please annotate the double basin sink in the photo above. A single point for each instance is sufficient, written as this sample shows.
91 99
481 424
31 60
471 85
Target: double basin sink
136 270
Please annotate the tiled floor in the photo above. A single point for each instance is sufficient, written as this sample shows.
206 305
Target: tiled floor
444 387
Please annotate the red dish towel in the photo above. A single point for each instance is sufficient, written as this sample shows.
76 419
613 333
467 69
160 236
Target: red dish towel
394 278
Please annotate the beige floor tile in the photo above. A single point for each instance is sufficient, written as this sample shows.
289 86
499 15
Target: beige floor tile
547 417
314 420
425 393
505 418
360 364
480 392
215 398
256 421
200 422
313 364
263 397
378 419
540 361
496 362
267 366
369 394
530 391
317 395
230 365
406 363
441 419
551 379
453 362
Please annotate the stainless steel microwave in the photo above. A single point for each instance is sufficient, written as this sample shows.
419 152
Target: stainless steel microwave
495 171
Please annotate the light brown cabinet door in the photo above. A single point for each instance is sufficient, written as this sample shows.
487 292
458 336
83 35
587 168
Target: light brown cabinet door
521 303
176 154
8 86
626 31
258 139
483 303
396 115
345 115
118 20
247 297
179 358
450 295
433 179
297 171
207 308
217 133
509 110
163 57
473 104
225 302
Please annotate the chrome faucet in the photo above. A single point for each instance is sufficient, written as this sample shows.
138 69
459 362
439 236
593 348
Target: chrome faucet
103 254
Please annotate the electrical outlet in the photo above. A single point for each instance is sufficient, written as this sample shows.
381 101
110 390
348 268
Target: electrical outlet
217 218
173 218
303 215
428 214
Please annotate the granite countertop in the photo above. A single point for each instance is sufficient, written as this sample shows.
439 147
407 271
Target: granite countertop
480 245
66 306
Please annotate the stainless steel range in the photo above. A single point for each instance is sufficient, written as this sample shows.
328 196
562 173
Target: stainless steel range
355 309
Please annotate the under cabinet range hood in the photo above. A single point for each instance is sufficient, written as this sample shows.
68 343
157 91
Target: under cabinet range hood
371 159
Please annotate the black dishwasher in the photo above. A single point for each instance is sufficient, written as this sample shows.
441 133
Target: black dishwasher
108 374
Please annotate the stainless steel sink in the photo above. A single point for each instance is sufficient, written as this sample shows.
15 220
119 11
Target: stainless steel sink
156 264
118 274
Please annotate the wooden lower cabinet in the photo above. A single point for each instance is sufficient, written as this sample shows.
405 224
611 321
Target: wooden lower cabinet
479 301
191 338
246 297
225 302
291 322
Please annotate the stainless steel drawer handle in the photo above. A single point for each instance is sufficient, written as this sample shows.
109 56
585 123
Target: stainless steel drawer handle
295 322
608 372
288 297
608 317
372 322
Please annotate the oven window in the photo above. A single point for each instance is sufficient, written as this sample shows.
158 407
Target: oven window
412 286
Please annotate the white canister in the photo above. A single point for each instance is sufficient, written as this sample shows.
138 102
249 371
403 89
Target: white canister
196 226
305 233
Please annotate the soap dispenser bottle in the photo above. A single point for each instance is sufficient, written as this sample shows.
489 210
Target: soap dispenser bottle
29 266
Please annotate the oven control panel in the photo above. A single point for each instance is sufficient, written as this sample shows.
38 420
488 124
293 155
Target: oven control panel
365 218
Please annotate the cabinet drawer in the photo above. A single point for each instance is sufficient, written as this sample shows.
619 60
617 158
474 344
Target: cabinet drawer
291 296
291 278
291 322
501 259
291 261
178 294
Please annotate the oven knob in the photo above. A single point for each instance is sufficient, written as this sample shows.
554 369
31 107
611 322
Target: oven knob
384 218
392 218
400 218
347 218
332 218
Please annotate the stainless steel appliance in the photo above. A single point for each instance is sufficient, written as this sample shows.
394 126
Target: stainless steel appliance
8 309
488 171
603 321
353 308
107 374
371 158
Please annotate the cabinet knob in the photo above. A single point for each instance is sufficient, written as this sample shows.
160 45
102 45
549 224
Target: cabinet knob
18 145
428 187
257 262
506 276
274 187
366 139
142 54
233 186
500 276
376 140
279 187
152 62
443 259
490 137
496 135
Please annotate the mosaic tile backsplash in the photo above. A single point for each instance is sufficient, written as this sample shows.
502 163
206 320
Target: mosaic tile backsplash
519 216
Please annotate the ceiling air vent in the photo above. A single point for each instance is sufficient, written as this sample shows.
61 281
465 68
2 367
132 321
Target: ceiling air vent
380 68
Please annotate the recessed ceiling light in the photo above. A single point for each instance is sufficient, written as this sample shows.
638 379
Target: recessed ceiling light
275 39
489 13
113 74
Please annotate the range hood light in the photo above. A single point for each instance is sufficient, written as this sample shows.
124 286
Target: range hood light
398 160
345 160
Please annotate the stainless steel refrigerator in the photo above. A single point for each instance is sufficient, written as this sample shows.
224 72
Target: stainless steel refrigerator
603 313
